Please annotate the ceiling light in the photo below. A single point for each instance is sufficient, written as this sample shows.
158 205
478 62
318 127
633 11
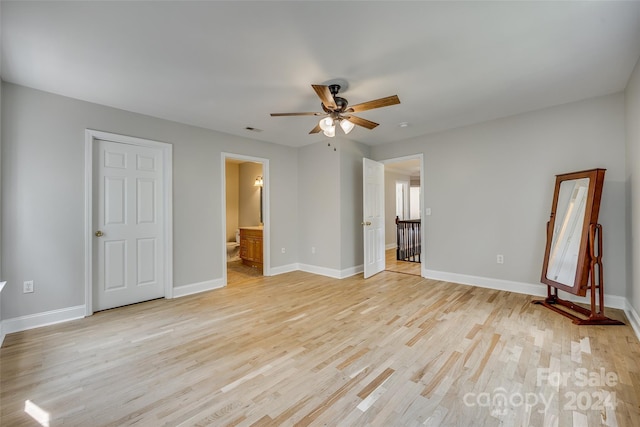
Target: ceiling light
330 132
346 126
403 124
326 123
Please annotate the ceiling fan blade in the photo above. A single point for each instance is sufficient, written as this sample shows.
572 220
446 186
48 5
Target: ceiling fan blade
362 122
377 103
315 129
296 114
325 95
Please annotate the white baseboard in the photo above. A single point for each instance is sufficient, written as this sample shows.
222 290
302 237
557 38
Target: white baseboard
390 246
2 333
330 272
274 271
634 318
37 320
485 282
611 301
196 288
352 271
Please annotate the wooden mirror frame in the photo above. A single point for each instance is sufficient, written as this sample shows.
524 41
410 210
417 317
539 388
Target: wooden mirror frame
588 274
592 208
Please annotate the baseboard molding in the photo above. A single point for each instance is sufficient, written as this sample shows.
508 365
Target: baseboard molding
390 246
352 271
274 271
330 272
634 318
485 282
38 320
611 301
2 333
196 288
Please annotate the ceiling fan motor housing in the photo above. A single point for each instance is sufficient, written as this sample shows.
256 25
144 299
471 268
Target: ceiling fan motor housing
341 105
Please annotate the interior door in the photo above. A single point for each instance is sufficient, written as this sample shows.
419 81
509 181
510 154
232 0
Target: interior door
373 210
129 240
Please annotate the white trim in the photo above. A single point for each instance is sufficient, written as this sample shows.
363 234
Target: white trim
540 290
611 301
196 288
486 282
2 333
331 272
266 211
285 269
634 318
47 318
390 246
92 136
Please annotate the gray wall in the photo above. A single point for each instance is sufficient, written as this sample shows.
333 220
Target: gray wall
43 195
351 214
249 194
632 97
490 186
330 206
319 205
232 180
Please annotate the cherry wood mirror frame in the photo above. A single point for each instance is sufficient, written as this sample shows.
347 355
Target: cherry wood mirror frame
588 266
591 210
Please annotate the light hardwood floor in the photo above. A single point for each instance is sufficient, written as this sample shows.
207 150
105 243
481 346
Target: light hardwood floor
301 349
406 267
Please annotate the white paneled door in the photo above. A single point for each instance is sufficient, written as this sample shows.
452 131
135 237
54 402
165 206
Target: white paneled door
373 223
129 224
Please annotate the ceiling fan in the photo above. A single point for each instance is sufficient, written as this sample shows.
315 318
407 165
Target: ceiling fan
338 112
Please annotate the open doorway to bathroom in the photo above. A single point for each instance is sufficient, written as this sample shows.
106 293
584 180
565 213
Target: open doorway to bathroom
245 218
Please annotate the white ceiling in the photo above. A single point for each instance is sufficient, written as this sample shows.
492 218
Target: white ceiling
227 65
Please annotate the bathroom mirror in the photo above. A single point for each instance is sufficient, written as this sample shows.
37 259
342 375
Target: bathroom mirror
575 207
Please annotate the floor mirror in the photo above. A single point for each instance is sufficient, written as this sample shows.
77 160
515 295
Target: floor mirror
573 254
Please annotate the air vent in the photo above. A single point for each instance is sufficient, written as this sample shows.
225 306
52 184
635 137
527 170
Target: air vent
249 128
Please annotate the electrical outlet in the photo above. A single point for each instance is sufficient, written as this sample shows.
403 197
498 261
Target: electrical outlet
27 287
500 259
283 250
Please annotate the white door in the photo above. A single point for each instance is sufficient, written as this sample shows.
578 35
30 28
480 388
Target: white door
373 209
128 240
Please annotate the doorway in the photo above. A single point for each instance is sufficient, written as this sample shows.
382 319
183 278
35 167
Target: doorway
404 215
245 218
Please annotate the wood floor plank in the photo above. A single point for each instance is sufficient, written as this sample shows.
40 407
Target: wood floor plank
301 349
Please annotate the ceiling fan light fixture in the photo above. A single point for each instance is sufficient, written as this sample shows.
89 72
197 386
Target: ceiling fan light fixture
346 126
326 123
330 132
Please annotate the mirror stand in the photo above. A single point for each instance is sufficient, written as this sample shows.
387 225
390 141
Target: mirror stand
594 315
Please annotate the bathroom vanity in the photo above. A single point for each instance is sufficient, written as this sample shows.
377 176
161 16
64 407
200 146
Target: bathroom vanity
251 246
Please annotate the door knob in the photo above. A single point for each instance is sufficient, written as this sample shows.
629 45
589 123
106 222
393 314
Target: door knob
99 233
366 223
